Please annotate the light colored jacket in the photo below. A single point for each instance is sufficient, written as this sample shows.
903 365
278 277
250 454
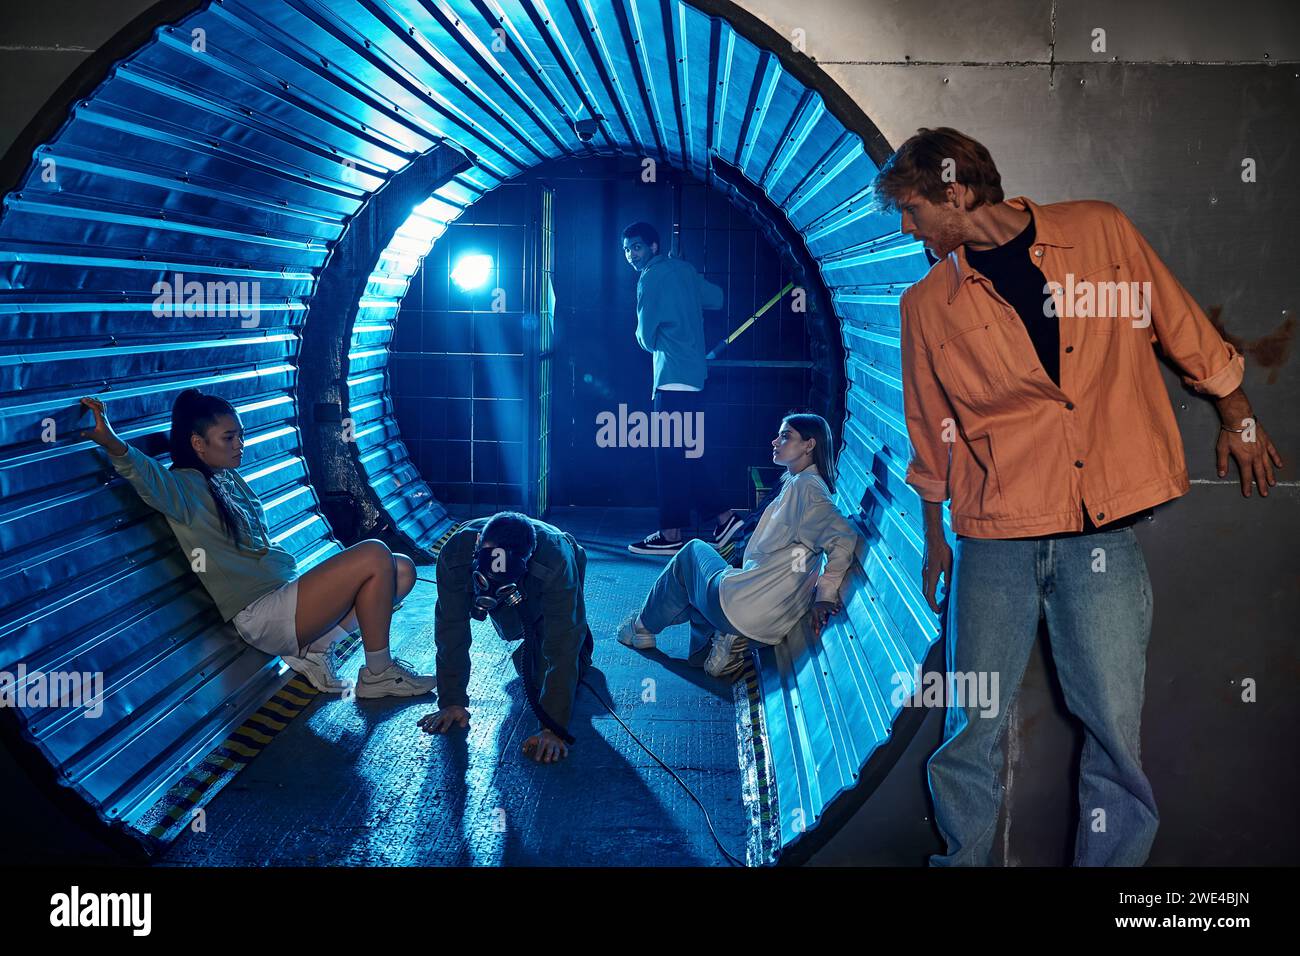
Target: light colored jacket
989 428
235 578
670 297
782 575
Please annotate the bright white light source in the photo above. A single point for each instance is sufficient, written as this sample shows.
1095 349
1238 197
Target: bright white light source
471 271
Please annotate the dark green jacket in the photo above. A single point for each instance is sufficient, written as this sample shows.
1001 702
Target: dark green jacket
553 601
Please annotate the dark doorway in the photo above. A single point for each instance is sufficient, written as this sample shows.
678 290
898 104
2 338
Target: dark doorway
466 360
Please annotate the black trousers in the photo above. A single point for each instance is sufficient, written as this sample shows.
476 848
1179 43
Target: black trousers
689 483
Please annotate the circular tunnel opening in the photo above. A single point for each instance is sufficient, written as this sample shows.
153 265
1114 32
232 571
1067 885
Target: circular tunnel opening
285 146
498 385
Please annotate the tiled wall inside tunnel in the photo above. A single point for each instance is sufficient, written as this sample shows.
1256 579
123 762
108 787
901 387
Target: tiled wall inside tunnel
446 387
459 369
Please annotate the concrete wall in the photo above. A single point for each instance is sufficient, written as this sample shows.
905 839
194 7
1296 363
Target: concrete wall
1159 122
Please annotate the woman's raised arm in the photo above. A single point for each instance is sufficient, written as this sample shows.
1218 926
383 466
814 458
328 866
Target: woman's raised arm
159 488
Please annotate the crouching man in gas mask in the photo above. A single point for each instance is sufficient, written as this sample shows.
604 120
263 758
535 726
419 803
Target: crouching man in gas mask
527 576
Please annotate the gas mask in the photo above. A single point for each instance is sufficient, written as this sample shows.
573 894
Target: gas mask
496 573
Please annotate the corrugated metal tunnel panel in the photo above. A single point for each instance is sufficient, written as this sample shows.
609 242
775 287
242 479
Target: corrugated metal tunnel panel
243 145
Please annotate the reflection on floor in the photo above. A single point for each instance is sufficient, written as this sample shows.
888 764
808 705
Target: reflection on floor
357 783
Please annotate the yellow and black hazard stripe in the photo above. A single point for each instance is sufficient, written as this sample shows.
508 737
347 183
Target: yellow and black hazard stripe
763 842
176 809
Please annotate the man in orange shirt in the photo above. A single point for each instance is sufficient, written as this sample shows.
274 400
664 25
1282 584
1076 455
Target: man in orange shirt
1034 401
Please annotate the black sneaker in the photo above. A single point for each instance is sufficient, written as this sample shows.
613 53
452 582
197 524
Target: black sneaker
656 544
726 532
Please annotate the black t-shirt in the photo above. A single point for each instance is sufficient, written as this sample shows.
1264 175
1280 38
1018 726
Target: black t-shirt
1017 278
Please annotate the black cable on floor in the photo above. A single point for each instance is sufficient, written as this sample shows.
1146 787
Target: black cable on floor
691 793
734 861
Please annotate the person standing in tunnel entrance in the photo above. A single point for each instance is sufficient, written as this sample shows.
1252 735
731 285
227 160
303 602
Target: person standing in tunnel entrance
528 577
1034 402
670 297
222 528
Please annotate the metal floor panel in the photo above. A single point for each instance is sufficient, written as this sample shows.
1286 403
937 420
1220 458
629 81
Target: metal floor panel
358 783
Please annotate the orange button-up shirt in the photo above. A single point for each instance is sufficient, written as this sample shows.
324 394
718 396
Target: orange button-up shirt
990 430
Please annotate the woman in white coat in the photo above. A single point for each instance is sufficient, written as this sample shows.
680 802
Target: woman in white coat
782 577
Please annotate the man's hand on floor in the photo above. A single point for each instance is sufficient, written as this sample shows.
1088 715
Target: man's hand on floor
444 719
545 747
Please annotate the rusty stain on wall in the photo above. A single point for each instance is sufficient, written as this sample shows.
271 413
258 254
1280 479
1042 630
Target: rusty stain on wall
1269 351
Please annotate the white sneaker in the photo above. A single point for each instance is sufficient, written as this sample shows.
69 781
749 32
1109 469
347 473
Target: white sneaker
634 636
318 668
397 680
727 655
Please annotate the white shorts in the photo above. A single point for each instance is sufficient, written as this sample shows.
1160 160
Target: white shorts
269 623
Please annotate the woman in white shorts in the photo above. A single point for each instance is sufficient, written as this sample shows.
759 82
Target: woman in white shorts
221 526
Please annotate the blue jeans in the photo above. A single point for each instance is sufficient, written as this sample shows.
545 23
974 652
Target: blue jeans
1098 622
687 590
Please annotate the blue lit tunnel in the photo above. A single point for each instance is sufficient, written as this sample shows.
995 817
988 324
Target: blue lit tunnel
320 149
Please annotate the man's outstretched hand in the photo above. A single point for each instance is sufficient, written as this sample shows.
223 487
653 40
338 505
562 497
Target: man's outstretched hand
1256 459
1247 443
545 747
443 719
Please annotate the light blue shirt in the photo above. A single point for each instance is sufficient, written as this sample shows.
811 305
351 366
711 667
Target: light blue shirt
234 577
670 299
